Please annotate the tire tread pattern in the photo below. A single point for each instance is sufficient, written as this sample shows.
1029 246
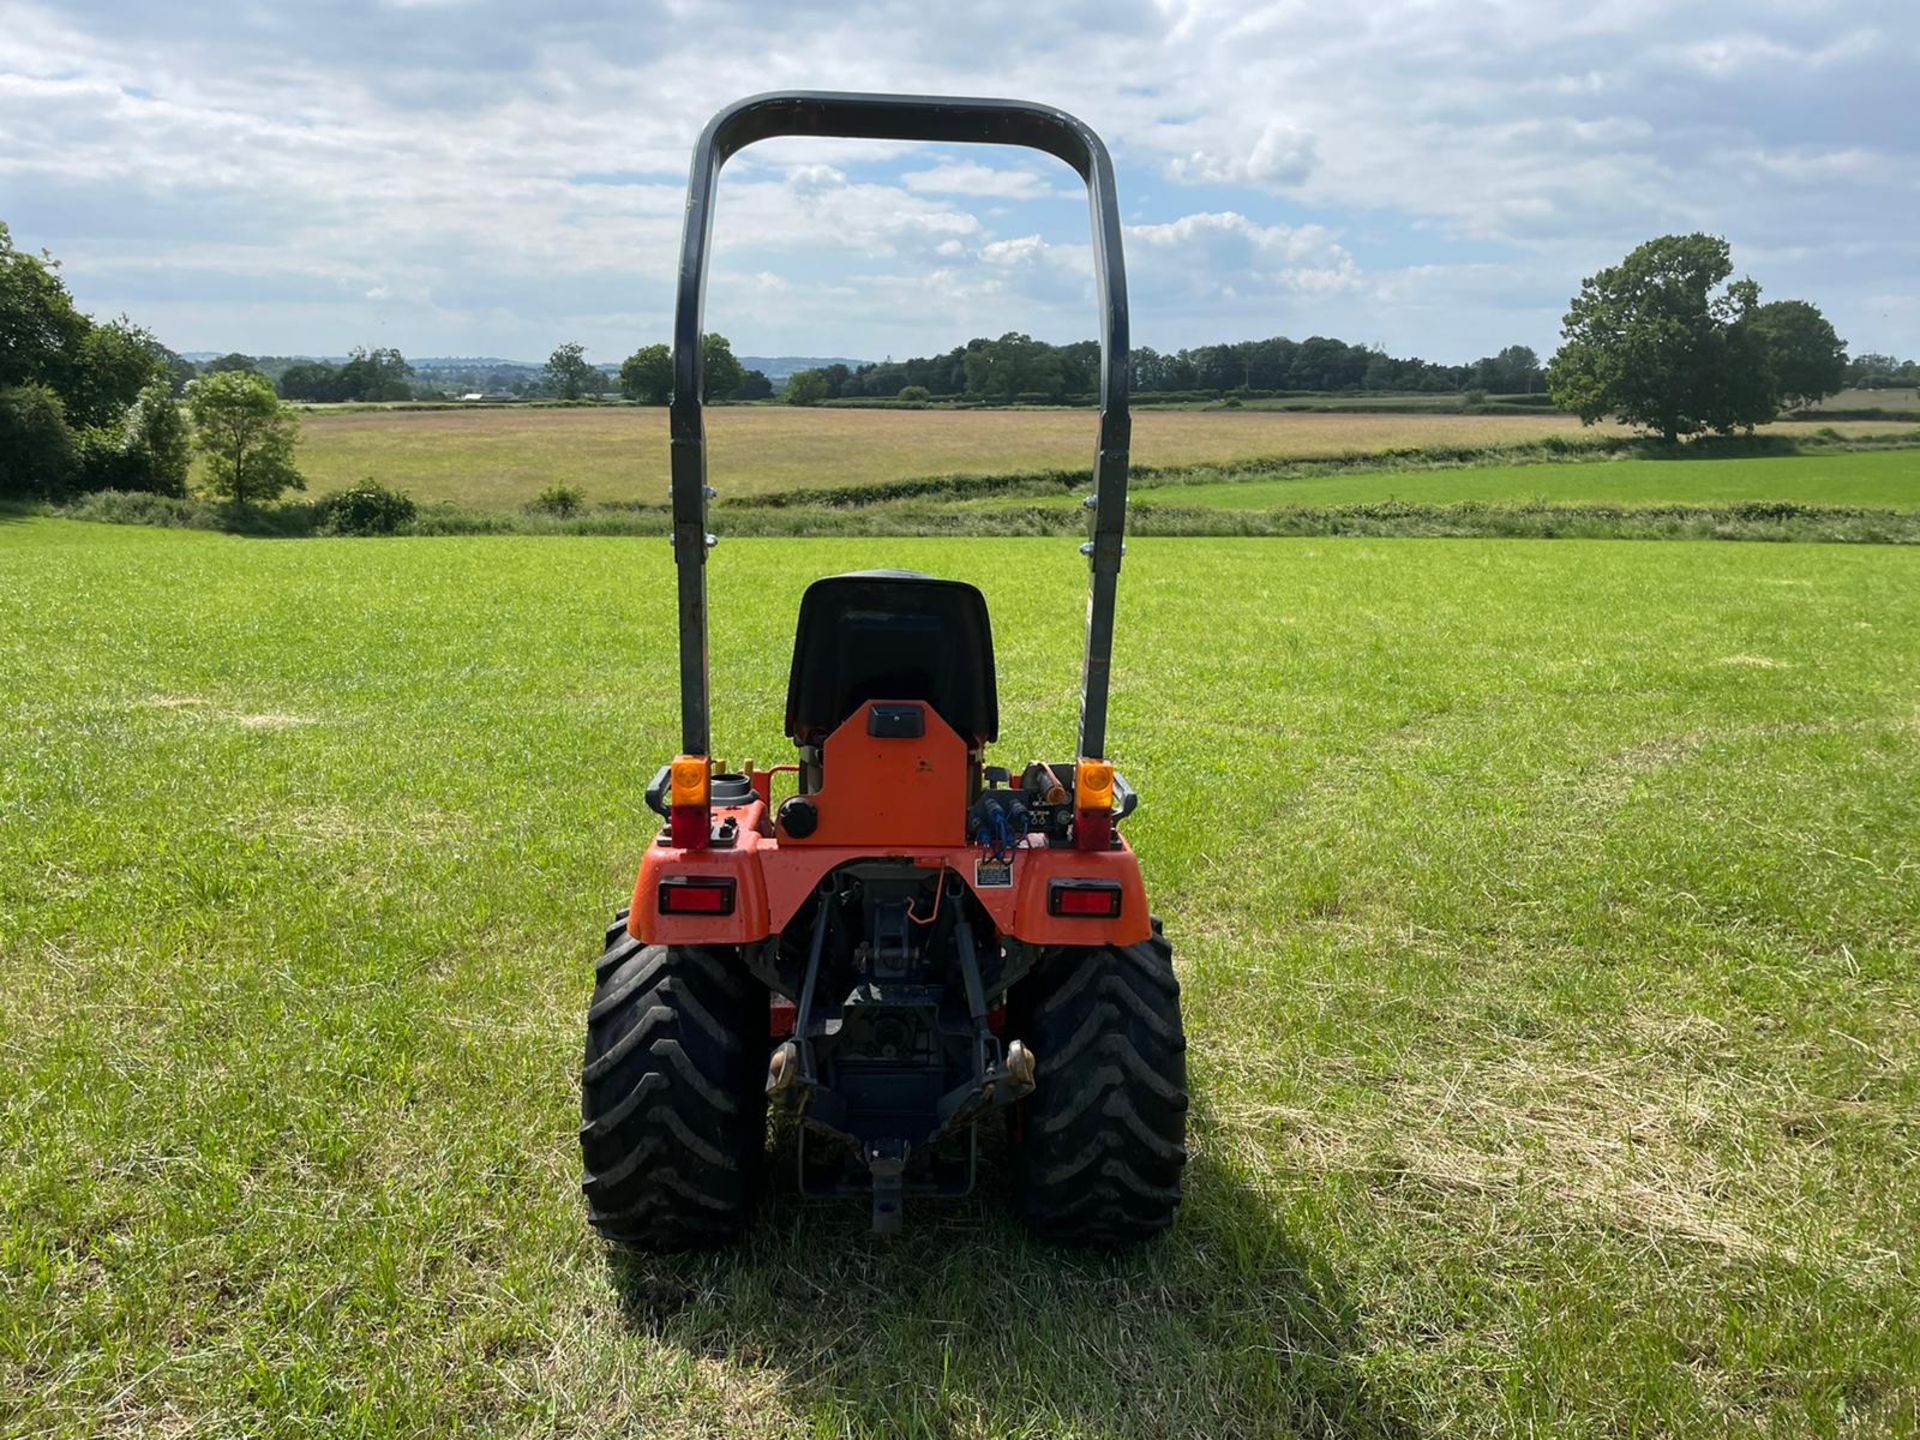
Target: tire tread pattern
672 1099
1104 1134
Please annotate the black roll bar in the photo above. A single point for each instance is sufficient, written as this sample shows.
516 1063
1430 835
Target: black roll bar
896 117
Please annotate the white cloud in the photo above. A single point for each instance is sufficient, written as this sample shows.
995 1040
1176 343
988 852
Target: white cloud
1725 56
492 178
818 207
970 177
1023 251
1283 155
1225 250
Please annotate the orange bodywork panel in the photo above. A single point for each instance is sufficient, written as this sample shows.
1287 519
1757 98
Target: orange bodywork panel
773 879
903 798
877 792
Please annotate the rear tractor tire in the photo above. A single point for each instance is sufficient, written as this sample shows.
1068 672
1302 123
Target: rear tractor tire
673 1095
1102 1139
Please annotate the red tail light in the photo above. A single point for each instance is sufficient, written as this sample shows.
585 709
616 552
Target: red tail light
689 827
1093 829
690 820
781 1013
1091 899
696 895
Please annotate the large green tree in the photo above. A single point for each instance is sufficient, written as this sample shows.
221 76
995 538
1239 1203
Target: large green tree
569 373
38 458
71 385
110 368
156 445
647 375
40 330
1808 360
150 448
1661 340
723 373
246 435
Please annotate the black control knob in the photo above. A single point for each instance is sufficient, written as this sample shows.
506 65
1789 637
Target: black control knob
799 817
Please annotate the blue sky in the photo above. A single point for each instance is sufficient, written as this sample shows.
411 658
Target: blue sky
469 177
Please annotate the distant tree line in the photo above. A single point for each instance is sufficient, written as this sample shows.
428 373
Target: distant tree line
1017 366
1324 364
368 375
385 375
1882 372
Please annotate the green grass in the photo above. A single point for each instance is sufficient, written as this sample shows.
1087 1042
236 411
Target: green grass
1547 917
1876 478
1823 486
1889 479
1903 401
1353 403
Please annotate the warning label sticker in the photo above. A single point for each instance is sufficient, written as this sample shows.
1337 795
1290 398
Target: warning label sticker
992 875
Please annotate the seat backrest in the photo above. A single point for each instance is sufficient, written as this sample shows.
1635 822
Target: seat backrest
892 635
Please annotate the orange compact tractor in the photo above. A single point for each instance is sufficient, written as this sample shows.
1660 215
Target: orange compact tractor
913 939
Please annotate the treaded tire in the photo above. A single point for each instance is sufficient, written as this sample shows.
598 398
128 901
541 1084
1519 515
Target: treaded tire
672 1095
1102 1139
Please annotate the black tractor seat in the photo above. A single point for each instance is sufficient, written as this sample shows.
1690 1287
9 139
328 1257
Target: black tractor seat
892 635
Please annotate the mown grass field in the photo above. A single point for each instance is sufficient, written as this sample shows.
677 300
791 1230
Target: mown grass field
1546 912
502 458
1905 400
1888 478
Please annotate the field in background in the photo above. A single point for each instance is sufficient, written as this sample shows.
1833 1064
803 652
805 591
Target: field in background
1882 479
1905 401
1546 915
502 458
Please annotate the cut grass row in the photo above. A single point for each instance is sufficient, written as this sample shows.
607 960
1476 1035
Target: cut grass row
1888 479
1546 917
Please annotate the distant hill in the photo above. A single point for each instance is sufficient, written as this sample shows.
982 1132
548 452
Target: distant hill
473 362
200 357
776 368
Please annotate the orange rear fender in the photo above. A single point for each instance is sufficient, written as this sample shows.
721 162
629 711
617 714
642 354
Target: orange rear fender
772 882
